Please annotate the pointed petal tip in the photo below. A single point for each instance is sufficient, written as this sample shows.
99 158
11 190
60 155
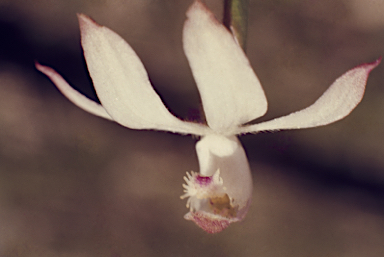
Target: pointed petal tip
196 5
368 66
200 13
378 61
197 9
82 17
37 65
86 22
373 64
48 71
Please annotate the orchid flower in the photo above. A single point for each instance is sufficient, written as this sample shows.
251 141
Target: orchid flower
231 96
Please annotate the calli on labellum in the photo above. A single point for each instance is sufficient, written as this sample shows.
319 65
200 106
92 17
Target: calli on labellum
231 96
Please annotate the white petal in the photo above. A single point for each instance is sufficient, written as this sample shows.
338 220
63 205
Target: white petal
336 103
73 95
230 91
122 83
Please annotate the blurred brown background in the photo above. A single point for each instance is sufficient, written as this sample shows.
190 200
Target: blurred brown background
72 184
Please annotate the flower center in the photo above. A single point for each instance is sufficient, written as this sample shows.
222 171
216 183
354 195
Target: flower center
208 194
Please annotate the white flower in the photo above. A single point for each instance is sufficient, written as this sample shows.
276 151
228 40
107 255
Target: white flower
231 96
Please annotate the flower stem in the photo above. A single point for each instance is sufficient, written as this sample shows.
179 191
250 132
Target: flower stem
236 19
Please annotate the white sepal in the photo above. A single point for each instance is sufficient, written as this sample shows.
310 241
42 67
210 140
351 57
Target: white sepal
230 91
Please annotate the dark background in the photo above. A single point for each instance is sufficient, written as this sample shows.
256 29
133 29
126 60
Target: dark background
72 184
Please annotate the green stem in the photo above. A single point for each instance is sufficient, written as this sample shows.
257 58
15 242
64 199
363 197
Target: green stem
236 19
